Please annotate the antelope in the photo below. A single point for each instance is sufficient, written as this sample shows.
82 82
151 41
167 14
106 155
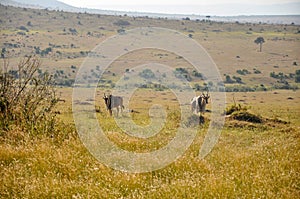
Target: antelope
113 102
198 104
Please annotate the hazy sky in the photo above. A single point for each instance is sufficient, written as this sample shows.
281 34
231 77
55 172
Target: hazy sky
214 7
169 2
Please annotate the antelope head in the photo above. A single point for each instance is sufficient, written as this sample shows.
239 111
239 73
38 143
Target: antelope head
205 97
105 96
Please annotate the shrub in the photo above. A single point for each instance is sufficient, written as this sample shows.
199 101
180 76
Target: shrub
182 73
235 108
243 72
297 76
121 31
121 23
27 98
228 79
197 74
147 74
246 116
238 79
256 71
239 112
24 28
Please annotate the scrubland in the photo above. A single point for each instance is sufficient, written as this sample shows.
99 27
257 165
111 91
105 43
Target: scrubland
250 160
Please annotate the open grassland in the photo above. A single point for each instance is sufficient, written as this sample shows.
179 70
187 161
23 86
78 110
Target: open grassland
245 164
250 160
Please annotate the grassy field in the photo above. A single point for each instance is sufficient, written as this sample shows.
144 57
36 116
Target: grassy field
250 160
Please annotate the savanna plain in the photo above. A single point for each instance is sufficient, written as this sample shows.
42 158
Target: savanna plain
258 151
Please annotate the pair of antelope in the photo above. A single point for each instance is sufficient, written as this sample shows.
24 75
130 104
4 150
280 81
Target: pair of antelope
198 103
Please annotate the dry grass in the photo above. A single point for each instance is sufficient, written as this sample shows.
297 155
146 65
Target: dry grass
245 163
249 161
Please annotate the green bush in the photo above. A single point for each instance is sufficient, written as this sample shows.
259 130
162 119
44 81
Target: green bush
147 74
27 98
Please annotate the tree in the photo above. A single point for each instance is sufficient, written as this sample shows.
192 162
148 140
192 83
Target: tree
260 41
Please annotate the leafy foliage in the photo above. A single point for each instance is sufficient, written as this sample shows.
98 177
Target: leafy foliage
260 41
243 72
147 74
26 97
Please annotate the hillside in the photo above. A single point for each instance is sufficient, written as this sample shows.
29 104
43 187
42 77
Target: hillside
63 40
52 4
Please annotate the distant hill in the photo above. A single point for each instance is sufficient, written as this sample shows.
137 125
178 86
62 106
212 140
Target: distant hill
50 4
46 3
269 18
57 5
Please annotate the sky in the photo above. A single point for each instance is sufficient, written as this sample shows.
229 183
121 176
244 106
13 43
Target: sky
213 7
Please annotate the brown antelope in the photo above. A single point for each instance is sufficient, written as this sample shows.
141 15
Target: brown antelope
113 102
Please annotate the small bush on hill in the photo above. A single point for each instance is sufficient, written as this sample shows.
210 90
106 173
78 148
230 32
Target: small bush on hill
241 113
235 108
246 116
